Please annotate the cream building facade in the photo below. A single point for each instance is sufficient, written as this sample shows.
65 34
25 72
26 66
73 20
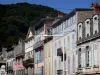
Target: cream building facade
48 58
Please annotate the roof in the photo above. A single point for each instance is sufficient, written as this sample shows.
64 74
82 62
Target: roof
69 15
39 24
10 49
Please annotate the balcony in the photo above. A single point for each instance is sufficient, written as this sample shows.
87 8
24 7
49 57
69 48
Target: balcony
39 74
9 68
79 67
10 56
38 44
2 62
95 66
59 72
28 62
48 38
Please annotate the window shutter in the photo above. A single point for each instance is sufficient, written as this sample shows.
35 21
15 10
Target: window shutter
90 58
95 54
82 57
68 65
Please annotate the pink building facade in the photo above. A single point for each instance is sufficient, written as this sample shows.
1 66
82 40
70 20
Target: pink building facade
18 67
19 56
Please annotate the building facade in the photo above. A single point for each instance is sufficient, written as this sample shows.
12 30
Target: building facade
2 64
48 47
10 61
48 58
19 56
88 44
28 60
41 29
64 44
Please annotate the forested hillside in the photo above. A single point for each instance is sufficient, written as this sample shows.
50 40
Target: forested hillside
15 20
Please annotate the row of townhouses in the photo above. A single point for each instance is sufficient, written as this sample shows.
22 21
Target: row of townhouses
64 45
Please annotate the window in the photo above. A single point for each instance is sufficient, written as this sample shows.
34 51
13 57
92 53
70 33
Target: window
71 20
18 61
80 31
31 54
35 57
59 43
74 18
68 65
66 24
79 58
55 67
55 49
95 24
64 42
95 54
59 63
49 52
57 29
32 71
68 42
41 55
73 64
73 40
62 26
87 27
26 71
87 56
2 73
49 69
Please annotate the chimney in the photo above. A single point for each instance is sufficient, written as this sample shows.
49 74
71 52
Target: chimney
96 7
60 14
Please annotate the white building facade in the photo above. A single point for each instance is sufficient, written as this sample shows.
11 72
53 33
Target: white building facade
64 44
88 46
29 54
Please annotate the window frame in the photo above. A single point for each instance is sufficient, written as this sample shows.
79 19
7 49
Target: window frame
87 56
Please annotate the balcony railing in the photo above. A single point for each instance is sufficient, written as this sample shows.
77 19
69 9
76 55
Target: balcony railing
39 74
10 56
28 62
59 72
9 68
48 38
38 44
2 62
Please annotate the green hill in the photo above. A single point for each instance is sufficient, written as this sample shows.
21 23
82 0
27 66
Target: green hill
15 20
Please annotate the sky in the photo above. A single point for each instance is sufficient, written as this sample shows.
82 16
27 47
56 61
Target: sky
62 5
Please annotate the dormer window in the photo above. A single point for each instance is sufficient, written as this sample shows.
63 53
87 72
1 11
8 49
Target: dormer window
79 31
87 28
95 18
95 24
87 22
